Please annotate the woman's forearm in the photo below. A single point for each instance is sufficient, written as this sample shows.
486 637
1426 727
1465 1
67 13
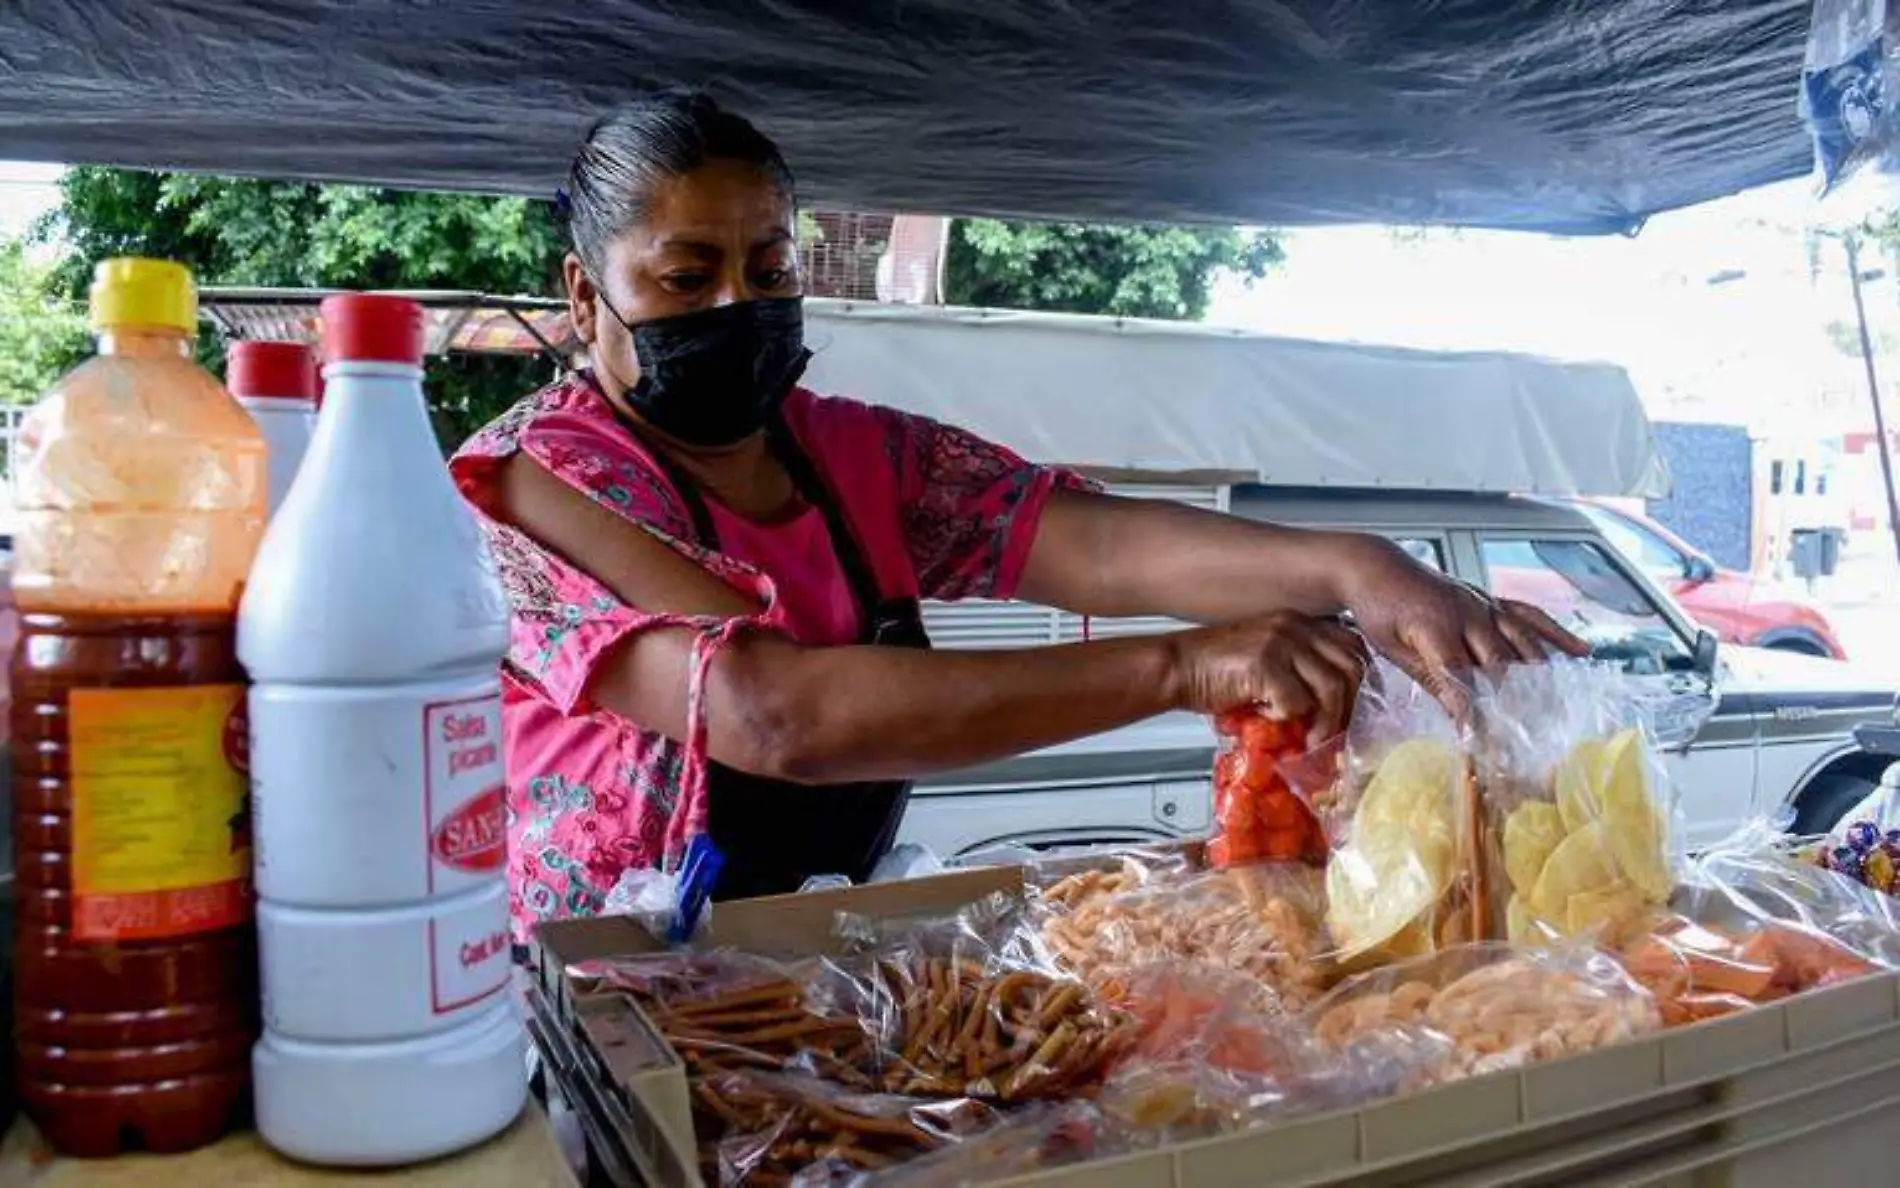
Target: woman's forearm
828 715
1099 555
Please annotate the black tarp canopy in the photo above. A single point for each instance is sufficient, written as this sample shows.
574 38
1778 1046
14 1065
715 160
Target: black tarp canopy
1568 115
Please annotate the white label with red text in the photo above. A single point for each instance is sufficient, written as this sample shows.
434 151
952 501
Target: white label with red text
339 974
465 800
469 958
377 796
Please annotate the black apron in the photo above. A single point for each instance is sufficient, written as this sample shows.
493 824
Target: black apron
775 834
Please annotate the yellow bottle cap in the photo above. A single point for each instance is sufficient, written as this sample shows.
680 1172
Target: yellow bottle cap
136 292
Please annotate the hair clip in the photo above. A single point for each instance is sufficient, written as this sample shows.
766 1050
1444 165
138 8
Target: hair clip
562 203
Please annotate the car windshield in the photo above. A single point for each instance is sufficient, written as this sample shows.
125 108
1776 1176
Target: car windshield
1638 544
1583 588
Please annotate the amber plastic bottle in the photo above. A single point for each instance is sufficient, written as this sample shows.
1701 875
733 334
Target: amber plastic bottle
141 500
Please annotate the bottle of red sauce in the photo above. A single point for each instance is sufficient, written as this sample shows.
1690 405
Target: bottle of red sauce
141 500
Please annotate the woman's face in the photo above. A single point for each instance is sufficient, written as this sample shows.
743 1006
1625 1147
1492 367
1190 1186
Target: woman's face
718 235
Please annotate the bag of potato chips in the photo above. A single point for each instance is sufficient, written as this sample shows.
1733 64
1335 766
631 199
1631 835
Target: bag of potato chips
1390 811
1574 830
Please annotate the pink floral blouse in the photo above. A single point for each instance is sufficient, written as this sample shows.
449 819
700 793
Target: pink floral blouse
937 512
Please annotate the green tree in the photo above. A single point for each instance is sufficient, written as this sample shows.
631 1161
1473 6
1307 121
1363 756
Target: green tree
40 332
1123 271
304 235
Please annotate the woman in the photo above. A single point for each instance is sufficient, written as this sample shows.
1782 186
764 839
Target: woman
715 574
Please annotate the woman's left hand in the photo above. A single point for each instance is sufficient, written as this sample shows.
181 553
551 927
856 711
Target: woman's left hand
1434 627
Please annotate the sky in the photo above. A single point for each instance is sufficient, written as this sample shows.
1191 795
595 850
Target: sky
26 192
1751 348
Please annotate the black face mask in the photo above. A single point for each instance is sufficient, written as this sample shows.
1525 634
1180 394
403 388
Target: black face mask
714 376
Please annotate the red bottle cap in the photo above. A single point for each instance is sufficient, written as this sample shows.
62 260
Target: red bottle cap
274 370
372 328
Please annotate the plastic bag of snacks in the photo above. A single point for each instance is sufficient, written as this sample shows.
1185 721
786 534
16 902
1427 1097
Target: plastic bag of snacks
1750 877
1485 1007
1264 921
1702 971
1257 815
1034 1139
1390 808
972 1006
1067 881
1576 809
1216 1053
724 1011
771 1127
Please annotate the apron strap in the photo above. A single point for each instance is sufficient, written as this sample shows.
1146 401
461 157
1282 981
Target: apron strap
813 489
810 486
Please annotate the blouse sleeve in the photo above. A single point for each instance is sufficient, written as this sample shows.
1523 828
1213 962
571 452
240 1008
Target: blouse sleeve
969 508
564 622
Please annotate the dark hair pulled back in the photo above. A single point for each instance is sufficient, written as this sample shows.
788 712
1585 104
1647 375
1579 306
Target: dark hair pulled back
626 154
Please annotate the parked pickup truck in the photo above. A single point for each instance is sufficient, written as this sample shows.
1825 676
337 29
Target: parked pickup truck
1471 460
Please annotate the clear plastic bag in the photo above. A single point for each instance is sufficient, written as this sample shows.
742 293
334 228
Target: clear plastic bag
1215 1054
1257 815
905 861
763 1130
1702 971
973 1006
724 1011
1034 1139
1264 921
1485 1007
1061 885
1575 832
673 906
1752 877
1390 809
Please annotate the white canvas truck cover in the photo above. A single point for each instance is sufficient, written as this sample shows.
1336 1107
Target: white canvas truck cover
1188 402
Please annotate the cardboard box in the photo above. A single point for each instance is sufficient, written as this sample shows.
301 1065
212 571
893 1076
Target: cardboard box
641 1081
1706 1105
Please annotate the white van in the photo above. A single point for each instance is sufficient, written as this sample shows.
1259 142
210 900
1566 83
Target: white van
1462 458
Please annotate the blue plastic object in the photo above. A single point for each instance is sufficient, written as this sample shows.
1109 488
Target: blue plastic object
699 874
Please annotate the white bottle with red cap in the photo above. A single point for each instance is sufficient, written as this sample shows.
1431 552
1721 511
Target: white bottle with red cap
373 629
276 382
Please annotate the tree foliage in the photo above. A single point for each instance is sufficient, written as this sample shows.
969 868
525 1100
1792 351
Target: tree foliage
1088 268
301 235
40 332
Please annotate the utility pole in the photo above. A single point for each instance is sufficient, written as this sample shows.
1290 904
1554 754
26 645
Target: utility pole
1851 241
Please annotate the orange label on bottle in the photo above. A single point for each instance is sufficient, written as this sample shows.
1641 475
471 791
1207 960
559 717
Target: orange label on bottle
161 813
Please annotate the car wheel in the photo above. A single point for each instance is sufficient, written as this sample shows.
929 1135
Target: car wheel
1829 798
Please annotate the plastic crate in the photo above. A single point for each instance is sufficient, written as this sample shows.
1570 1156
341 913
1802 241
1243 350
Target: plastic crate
1751 1100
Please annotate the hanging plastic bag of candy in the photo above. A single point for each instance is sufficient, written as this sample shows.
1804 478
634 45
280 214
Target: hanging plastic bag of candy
1574 827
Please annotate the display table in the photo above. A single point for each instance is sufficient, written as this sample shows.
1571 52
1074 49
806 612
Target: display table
523 1156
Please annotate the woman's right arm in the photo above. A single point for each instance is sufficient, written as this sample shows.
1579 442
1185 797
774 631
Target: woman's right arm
841 714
